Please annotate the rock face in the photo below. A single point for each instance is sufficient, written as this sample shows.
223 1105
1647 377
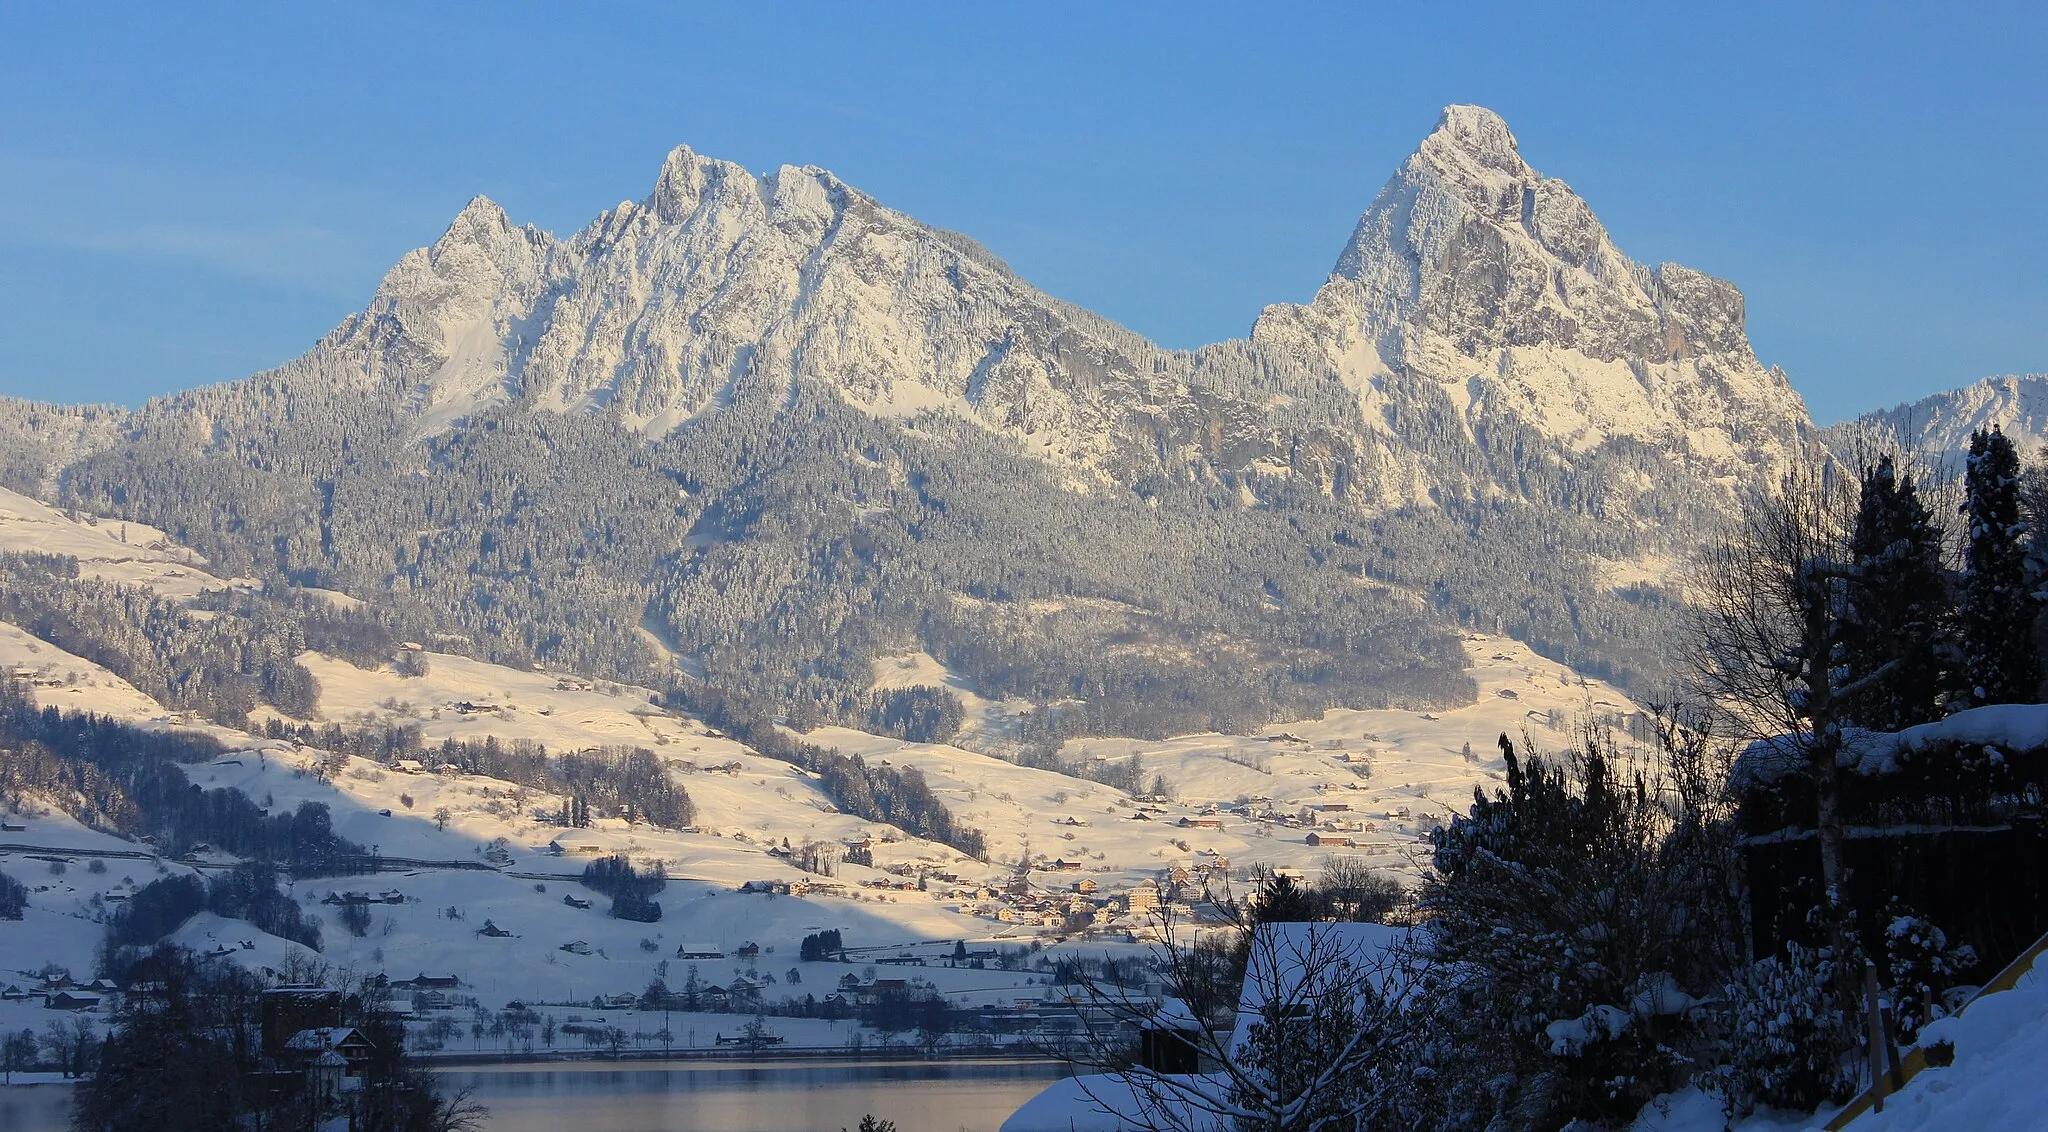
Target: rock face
1476 275
1474 292
744 392
661 310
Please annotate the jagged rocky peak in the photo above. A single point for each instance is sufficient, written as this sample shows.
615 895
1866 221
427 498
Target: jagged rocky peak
1472 242
1474 273
1473 149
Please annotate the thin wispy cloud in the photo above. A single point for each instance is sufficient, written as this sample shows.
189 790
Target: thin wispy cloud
258 226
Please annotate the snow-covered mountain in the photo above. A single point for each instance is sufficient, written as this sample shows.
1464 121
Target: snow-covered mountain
1471 272
1478 275
1939 426
748 410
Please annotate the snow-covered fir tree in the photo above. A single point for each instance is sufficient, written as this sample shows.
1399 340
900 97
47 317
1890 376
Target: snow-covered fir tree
1899 605
1997 605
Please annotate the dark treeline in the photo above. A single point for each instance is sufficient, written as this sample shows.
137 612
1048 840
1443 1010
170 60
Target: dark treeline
632 891
920 715
1127 775
625 782
820 946
248 892
899 797
122 778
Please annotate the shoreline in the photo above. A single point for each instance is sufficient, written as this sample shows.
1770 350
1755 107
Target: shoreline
820 1055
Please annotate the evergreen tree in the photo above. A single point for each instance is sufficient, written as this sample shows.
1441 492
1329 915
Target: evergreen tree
1998 606
1899 606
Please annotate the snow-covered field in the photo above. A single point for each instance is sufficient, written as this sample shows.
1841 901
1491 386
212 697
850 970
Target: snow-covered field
112 549
1381 779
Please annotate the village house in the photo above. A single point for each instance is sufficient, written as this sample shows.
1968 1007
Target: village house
425 981
346 1042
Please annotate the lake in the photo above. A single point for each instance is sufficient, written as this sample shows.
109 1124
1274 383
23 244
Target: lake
700 1096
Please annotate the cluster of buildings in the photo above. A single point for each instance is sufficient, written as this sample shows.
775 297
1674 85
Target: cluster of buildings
1082 905
59 991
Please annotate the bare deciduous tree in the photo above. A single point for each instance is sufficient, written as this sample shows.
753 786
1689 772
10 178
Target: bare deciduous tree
1770 606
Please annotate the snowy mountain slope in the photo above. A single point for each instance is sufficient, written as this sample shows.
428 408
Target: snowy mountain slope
70 682
718 283
1380 778
1497 288
791 431
1939 427
1471 273
1394 774
115 550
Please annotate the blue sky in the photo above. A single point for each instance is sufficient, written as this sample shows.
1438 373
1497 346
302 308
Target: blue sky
189 192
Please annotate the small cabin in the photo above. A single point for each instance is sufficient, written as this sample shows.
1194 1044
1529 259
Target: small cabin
1170 1041
345 1042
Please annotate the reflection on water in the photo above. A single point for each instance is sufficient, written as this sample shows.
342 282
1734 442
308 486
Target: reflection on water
39 1108
697 1096
974 1096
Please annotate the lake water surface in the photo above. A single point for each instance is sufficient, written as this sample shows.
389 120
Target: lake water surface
700 1096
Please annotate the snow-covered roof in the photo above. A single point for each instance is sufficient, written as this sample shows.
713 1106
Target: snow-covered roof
2010 727
319 1038
1173 1014
1282 955
1111 1102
